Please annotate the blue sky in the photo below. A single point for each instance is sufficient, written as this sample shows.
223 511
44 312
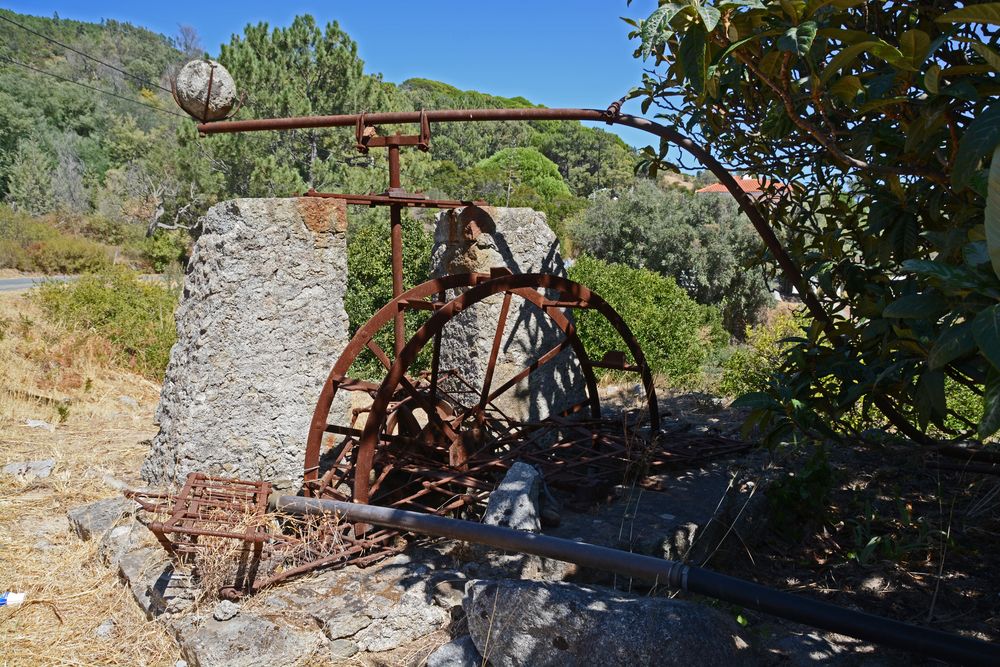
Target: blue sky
573 53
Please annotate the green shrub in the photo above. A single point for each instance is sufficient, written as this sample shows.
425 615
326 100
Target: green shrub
702 241
65 254
136 317
369 284
165 248
752 365
675 333
36 245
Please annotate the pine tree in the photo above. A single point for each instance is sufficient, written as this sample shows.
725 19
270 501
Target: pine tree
296 71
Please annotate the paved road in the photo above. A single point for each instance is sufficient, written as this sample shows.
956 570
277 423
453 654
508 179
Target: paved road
22 284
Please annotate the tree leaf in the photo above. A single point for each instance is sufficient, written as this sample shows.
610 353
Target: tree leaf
846 88
793 8
816 5
931 393
991 216
979 140
986 329
991 57
798 39
737 44
975 253
956 341
987 12
932 79
952 277
691 56
877 48
928 305
709 16
752 4
846 36
990 423
914 45
656 28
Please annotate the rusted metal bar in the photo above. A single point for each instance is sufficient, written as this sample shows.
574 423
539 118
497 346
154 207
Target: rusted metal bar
484 396
396 222
414 200
672 574
790 269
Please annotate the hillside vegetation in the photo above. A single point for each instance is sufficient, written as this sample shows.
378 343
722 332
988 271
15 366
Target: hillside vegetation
90 179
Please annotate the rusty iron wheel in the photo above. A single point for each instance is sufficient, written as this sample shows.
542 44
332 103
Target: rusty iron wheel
429 444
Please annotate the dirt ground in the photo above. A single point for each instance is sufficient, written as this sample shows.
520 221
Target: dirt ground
900 539
95 421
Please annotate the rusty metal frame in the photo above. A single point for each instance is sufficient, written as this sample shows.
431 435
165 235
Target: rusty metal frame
610 116
451 462
478 287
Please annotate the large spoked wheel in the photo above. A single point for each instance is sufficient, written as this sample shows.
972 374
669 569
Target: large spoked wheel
438 440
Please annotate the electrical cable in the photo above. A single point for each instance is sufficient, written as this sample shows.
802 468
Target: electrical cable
89 57
96 90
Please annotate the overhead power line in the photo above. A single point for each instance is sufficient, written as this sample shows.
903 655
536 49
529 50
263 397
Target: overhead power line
85 55
96 90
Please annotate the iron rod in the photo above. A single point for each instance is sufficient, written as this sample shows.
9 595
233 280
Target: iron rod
675 575
396 224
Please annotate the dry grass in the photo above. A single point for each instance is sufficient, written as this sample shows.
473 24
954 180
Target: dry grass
49 374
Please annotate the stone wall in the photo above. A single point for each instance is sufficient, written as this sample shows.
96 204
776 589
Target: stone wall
475 240
259 326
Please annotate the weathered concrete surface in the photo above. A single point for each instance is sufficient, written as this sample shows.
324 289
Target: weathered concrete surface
92 520
514 623
514 503
520 240
249 640
259 326
459 652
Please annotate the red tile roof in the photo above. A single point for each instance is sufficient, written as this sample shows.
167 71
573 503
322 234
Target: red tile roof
747 184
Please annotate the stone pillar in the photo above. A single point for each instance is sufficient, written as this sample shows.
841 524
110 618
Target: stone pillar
520 240
259 326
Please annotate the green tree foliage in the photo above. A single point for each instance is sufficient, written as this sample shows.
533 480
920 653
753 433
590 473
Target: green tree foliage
884 118
701 241
296 71
369 282
588 159
157 176
513 167
674 332
753 365
29 180
465 144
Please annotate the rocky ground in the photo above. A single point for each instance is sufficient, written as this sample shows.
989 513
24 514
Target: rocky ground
100 591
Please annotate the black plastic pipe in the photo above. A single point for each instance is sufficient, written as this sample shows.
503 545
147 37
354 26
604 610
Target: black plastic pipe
672 574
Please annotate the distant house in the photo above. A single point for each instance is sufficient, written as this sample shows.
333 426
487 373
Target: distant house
751 186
